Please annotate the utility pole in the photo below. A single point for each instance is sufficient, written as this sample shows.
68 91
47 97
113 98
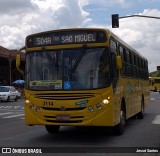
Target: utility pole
115 19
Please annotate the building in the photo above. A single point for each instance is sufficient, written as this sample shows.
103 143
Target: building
8 70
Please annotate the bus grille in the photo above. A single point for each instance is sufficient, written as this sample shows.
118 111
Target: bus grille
73 119
64 96
66 109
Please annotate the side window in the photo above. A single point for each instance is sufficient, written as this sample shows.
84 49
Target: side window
113 47
134 65
125 62
123 55
121 51
130 58
146 69
138 67
130 64
113 58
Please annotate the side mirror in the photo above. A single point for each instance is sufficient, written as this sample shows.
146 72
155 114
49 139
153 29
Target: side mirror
18 60
119 62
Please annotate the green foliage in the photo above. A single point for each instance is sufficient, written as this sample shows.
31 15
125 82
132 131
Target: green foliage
155 73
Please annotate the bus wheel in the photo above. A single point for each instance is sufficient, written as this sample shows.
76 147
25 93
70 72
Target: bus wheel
52 129
119 129
140 115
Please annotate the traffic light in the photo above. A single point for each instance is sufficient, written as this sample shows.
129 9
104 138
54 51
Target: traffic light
158 67
115 21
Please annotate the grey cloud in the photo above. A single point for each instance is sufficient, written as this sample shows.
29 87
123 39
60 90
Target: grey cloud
15 6
69 15
20 18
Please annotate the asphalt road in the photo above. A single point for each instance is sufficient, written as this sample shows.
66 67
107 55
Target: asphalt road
139 134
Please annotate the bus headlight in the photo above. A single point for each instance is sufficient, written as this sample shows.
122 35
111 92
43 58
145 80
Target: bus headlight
99 106
37 108
31 106
91 109
27 101
105 101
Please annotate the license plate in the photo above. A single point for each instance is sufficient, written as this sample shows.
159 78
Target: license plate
63 117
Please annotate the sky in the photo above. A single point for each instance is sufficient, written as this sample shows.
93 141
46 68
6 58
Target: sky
19 18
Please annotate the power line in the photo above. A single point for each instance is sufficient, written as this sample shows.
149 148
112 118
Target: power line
140 16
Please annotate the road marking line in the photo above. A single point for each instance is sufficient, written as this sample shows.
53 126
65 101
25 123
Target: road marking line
152 99
6 113
13 116
156 120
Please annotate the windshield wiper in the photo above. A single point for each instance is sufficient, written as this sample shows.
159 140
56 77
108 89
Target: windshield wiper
79 58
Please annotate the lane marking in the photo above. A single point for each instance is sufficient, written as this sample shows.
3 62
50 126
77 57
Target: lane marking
13 116
12 110
6 113
21 108
156 120
152 99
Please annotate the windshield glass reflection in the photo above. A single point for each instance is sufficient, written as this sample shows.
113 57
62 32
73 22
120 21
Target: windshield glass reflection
69 69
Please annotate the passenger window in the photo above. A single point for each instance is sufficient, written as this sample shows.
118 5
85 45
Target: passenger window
113 47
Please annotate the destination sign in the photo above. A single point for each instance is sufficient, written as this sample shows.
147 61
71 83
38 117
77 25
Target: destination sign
65 37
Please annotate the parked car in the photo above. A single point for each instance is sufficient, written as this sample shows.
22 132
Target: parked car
19 94
8 93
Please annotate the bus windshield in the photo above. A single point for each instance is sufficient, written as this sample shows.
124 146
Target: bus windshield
68 69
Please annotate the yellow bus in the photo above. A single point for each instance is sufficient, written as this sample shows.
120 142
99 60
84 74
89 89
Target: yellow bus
154 84
83 77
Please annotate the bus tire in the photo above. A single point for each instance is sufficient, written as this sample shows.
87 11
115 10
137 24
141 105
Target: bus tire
52 129
140 115
119 129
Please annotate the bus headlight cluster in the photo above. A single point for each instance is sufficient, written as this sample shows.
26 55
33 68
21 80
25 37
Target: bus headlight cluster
99 106
27 102
37 108
91 108
106 101
32 106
